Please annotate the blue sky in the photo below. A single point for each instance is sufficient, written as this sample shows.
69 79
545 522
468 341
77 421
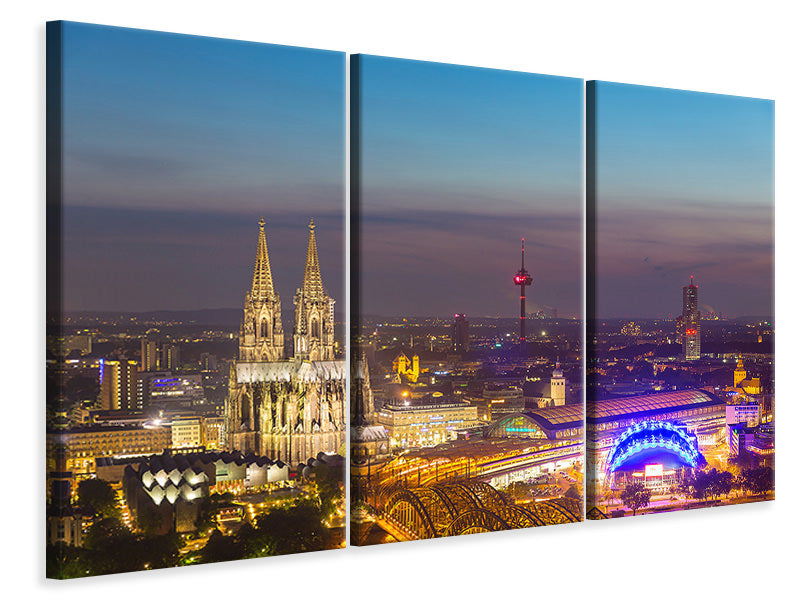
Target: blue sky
458 164
158 125
684 187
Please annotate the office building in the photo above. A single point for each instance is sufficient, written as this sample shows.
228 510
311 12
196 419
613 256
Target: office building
118 385
460 334
150 358
690 322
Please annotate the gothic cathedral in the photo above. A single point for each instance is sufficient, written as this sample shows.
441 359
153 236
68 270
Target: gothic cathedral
286 408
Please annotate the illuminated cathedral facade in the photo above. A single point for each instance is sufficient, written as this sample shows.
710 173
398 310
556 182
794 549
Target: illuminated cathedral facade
288 407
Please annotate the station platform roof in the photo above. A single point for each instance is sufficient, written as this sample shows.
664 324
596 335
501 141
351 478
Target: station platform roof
649 405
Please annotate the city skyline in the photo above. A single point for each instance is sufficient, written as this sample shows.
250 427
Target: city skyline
174 146
684 188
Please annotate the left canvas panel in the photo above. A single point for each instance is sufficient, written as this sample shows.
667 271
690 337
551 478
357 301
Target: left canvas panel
195 250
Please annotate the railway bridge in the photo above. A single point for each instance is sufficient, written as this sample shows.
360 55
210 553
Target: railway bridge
468 507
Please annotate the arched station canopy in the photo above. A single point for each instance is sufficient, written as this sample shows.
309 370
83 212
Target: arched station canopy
517 425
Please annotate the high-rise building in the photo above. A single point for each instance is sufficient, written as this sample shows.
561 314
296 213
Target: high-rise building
118 385
150 358
170 357
460 334
679 329
690 320
164 356
208 361
289 409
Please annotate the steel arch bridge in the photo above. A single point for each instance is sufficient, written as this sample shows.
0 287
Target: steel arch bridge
470 507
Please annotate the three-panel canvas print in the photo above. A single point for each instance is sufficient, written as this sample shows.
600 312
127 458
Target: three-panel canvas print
560 302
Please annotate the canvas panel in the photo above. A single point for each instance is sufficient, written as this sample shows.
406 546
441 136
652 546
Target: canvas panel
196 362
680 346
467 400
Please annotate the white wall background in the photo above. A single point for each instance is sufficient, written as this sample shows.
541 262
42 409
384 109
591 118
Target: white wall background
726 47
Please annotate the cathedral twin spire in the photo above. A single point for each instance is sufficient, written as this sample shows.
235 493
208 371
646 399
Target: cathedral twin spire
312 280
261 333
262 274
261 336
313 320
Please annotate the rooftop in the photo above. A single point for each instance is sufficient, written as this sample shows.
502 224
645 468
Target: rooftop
567 416
289 370
601 411
428 401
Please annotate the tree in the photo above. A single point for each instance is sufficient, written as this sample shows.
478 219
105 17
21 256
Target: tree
701 485
293 529
98 496
328 482
609 496
684 485
105 533
159 551
220 548
721 483
709 483
111 547
635 496
150 520
742 462
209 507
759 480
66 562
253 542
285 530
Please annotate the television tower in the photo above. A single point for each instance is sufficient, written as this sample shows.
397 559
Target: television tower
522 279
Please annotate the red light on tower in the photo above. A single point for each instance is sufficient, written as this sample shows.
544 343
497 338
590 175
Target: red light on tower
522 279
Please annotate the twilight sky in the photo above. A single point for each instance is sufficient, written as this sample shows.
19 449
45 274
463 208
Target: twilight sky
684 187
458 164
174 146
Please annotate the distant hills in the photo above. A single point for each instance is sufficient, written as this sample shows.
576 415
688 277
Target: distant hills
228 317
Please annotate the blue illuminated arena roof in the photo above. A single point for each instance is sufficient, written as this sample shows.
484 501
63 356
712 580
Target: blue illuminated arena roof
654 439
